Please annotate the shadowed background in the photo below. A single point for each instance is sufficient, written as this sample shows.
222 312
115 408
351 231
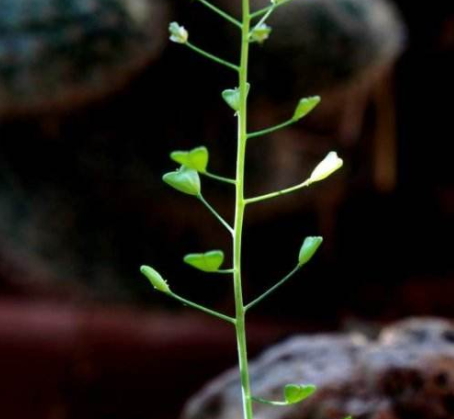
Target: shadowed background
92 100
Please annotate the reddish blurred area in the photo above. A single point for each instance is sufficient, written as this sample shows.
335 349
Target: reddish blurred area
65 361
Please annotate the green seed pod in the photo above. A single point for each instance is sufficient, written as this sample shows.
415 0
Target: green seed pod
308 249
261 33
196 159
232 97
184 180
207 262
295 393
305 106
155 278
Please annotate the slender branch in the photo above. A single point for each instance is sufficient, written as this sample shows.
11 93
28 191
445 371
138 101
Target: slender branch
219 178
221 13
262 20
212 57
225 271
202 308
216 214
277 193
271 129
265 10
273 288
269 402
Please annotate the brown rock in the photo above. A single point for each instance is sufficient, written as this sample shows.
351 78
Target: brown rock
407 373
58 55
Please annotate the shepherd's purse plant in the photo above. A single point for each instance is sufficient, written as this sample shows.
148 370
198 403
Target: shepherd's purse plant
194 165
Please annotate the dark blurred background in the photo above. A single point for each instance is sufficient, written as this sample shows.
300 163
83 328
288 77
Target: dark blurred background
92 100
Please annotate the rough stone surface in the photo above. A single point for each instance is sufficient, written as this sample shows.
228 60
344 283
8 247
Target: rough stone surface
406 373
56 53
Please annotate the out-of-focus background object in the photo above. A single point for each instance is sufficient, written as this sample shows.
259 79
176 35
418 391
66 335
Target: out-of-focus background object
63 361
407 372
59 54
93 99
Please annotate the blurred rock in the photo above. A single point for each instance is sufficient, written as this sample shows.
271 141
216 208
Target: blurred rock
408 372
57 54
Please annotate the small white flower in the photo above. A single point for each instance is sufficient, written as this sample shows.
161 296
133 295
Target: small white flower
178 33
260 33
326 167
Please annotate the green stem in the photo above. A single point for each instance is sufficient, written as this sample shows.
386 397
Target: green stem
221 13
212 57
273 288
219 178
240 205
277 193
272 129
269 402
202 308
217 215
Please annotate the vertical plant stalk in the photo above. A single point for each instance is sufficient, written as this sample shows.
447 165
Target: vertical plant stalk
240 205
186 180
